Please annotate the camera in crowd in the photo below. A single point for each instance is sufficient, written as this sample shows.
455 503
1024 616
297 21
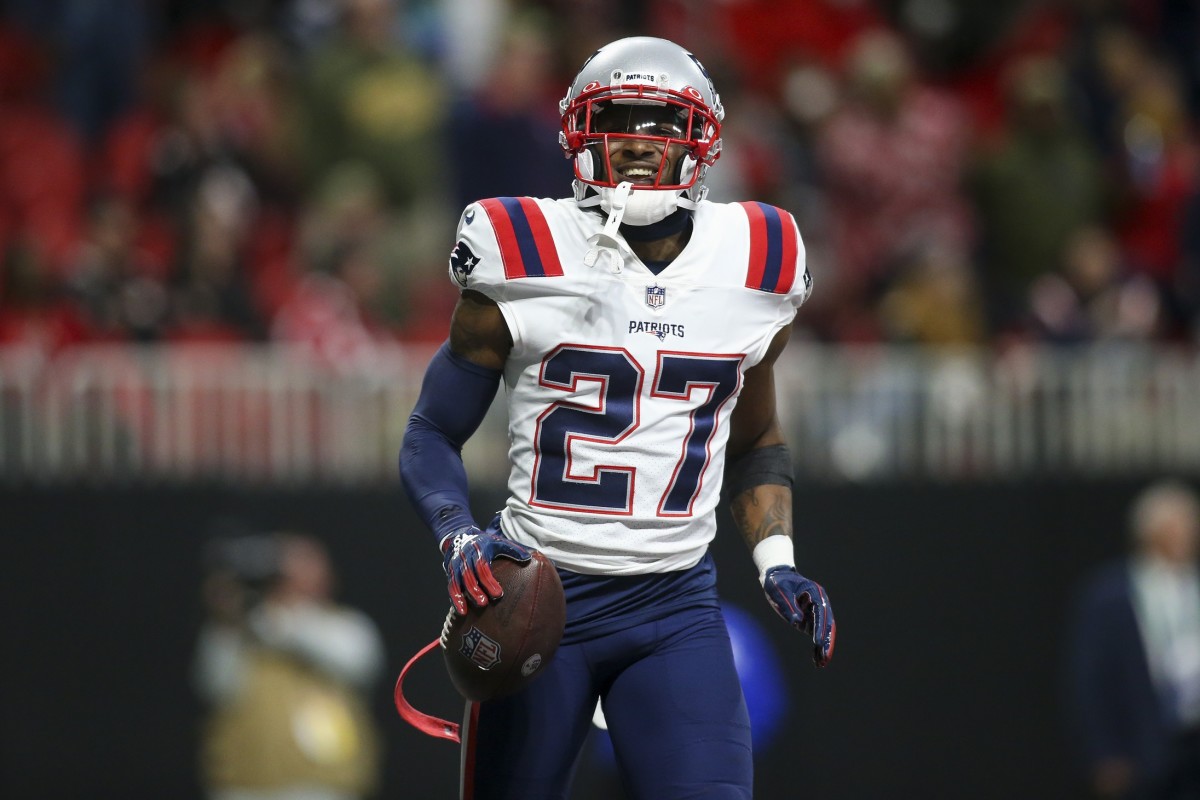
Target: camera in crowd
253 560
241 566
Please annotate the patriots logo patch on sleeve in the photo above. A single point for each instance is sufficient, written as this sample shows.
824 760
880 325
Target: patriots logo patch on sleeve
462 262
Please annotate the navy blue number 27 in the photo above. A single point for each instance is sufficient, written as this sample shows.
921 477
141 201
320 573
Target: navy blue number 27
616 413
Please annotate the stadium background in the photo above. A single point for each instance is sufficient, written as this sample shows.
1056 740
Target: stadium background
223 237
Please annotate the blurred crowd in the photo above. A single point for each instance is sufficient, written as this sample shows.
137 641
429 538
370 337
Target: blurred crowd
292 170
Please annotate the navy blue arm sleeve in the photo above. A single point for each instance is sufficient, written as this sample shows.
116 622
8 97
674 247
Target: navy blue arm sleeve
455 397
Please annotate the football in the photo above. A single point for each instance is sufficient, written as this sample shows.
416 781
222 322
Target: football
498 649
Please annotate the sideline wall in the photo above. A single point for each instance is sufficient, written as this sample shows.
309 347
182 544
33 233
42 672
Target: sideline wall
950 603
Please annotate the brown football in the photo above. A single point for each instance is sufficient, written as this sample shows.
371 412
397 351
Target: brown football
498 649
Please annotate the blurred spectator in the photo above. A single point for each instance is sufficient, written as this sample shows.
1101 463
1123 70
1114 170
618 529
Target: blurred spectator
117 287
1187 293
893 158
211 295
1171 28
762 155
808 95
583 26
963 41
329 314
934 301
505 135
1159 163
34 313
469 60
101 43
1179 29
1103 63
1135 656
1043 183
41 158
347 213
348 206
285 672
1093 298
185 147
766 38
238 107
370 99
307 23
255 100
421 309
98 46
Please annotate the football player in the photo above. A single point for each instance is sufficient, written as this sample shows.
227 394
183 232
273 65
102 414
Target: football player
635 326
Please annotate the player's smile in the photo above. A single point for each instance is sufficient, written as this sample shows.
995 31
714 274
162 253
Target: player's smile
639 161
639 172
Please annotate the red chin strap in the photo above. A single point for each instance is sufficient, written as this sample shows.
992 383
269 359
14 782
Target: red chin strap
425 723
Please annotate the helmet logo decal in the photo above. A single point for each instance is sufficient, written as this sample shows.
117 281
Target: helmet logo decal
699 66
591 87
637 77
694 93
589 59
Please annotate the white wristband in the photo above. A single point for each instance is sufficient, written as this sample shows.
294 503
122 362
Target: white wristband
773 551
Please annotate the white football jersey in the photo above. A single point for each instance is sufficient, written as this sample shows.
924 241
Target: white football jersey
620 382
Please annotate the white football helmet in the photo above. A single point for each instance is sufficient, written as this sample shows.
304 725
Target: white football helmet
644 89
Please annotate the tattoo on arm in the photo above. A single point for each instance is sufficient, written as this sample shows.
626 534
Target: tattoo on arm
763 511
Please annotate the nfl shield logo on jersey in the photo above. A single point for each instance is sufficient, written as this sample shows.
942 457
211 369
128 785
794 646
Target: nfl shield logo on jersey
656 296
483 651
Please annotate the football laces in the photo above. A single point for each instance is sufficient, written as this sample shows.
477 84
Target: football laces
444 639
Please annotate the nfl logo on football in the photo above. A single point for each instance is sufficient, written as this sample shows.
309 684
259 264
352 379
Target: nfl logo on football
656 296
483 652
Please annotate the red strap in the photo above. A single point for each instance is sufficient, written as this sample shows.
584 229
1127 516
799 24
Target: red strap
468 761
433 726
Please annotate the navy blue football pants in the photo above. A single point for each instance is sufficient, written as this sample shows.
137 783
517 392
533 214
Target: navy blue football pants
672 701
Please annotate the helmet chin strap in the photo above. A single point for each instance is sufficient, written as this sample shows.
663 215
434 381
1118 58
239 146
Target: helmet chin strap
605 243
649 206
625 205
